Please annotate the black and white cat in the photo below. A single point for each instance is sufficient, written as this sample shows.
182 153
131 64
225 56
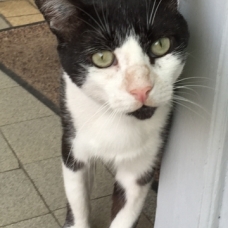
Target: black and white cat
120 60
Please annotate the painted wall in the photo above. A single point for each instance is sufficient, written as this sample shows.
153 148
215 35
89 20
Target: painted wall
191 192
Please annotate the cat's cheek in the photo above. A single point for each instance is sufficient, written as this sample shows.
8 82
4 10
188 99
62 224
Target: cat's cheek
94 91
169 68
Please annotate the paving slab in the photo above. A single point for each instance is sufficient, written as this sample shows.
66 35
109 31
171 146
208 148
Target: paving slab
150 206
16 8
103 182
60 215
24 20
35 140
3 23
46 221
101 212
6 81
7 159
18 198
47 176
100 217
18 105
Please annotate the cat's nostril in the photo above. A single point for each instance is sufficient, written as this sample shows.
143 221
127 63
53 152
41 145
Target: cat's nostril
141 94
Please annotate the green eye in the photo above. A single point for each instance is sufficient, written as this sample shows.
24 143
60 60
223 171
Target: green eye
103 59
161 47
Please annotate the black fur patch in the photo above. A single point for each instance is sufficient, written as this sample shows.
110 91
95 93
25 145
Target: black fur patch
69 217
145 112
69 133
146 178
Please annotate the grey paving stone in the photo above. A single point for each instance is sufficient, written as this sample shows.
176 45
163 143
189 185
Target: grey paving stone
100 217
47 176
144 222
3 24
6 81
60 215
101 212
46 221
35 140
103 182
18 105
7 159
18 198
150 206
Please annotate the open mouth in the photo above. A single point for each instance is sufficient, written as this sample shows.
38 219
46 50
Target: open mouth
145 112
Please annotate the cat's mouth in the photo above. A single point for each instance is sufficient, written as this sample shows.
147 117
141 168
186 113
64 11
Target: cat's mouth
145 112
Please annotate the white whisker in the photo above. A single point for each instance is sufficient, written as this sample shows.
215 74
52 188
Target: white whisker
101 23
201 86
98 32
189 78
178 98
155 13
69 154
152 12
184 87
89 16
189 109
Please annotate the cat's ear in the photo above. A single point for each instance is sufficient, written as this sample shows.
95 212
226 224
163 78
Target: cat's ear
61 15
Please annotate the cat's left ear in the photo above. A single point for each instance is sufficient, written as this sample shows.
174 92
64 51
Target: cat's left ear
61 15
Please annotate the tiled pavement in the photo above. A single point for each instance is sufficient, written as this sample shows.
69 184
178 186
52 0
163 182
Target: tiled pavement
31 188
18 12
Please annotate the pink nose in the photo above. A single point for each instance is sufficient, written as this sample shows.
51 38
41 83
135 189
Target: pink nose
141 94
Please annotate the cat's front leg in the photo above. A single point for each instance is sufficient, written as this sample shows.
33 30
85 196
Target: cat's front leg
76 188
77 192
129 195
76 175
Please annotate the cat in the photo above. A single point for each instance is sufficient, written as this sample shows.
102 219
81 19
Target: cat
120 60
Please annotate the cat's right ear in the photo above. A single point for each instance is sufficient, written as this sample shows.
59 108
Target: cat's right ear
61 16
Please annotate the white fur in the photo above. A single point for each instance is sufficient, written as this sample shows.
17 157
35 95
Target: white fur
106 132
77 195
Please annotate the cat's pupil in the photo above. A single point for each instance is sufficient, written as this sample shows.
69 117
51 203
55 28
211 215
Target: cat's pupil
101 56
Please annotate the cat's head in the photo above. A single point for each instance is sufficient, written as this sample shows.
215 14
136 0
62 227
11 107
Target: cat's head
123 53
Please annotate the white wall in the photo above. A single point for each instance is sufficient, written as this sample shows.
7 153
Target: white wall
191 192
223 221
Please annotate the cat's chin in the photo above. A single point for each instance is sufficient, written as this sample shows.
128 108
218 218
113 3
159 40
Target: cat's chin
145 112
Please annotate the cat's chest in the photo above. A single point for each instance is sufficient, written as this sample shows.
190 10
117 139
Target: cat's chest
109 136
